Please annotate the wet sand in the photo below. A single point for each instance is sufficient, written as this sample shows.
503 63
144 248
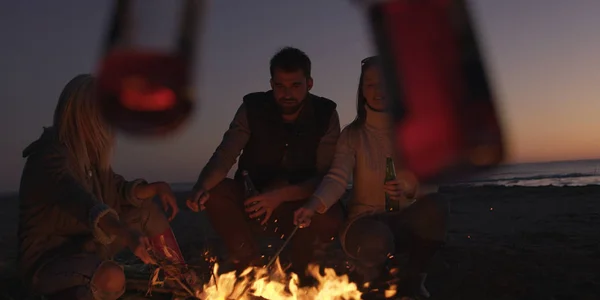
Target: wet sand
504 243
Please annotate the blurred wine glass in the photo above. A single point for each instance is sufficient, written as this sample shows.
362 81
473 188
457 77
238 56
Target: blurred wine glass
144 76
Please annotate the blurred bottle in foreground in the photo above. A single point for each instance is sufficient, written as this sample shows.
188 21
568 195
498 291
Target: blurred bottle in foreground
446 124
146 90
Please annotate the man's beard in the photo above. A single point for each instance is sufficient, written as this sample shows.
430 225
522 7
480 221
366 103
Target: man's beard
289 110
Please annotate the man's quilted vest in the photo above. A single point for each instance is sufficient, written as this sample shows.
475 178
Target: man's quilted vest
280 151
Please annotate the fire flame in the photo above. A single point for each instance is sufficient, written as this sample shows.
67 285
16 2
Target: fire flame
277 284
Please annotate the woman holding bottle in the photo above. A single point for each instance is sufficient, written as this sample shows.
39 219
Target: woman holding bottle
382 211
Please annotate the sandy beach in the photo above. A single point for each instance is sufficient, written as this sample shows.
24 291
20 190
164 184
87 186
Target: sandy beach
504 243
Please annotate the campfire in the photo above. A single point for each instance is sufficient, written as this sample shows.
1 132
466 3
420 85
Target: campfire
259 283
268 282
276 283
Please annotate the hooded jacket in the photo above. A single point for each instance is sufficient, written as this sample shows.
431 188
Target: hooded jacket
58 215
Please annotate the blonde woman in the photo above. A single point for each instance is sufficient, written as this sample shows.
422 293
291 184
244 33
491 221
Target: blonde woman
76 213
372 234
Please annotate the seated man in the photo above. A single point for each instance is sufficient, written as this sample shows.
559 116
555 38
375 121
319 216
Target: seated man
287 138
76 213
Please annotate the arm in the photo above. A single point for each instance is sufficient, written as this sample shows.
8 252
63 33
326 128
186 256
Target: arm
133 192
234 140
325 153
335 182
72 198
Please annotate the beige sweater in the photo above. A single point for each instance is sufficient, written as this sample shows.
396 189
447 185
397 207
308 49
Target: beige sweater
361 157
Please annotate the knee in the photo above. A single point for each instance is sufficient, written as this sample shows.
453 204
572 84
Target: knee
109 278
154 216
328 225
369 241
152 209
434 208
431 220
225 187
225 192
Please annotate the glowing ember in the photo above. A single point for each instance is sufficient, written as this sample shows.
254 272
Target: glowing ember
258 282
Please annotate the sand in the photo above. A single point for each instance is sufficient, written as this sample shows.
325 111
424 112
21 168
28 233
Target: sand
503 243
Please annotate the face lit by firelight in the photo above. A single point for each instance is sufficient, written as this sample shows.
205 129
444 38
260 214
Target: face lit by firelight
290 89
373 90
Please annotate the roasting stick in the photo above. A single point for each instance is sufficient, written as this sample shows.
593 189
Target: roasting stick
287 241
273 259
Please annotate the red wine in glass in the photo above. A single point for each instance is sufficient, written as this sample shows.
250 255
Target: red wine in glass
143 91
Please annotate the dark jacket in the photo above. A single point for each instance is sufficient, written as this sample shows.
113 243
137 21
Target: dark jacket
57 215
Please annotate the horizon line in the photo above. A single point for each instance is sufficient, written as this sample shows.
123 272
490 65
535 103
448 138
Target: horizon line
8 193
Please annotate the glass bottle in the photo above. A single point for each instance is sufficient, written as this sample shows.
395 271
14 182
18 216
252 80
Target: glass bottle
391 205
250 189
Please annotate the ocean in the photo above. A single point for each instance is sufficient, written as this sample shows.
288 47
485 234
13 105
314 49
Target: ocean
559 173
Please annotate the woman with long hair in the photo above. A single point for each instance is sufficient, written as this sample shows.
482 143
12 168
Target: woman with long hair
371 233
76 213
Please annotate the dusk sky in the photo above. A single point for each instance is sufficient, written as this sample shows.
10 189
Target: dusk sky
543 56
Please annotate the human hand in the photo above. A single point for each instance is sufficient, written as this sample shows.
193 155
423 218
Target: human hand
167 198
139 245
303 216
263 204
395 188
197 200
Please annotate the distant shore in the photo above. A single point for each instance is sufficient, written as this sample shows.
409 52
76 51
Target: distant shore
503 243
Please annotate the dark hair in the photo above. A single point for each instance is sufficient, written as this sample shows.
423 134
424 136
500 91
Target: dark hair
361 111
290 59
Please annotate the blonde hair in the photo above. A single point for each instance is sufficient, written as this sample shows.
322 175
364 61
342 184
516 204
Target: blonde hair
80 127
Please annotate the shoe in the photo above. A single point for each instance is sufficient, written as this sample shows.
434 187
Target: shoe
422 290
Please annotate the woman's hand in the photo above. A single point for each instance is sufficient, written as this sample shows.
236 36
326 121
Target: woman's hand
167 198
395 188
133 239
139 245
303 217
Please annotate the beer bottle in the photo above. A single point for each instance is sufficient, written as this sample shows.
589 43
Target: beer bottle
390 174
249 185
250 189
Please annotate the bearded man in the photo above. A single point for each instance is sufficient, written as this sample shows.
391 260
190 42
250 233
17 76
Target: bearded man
286 137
